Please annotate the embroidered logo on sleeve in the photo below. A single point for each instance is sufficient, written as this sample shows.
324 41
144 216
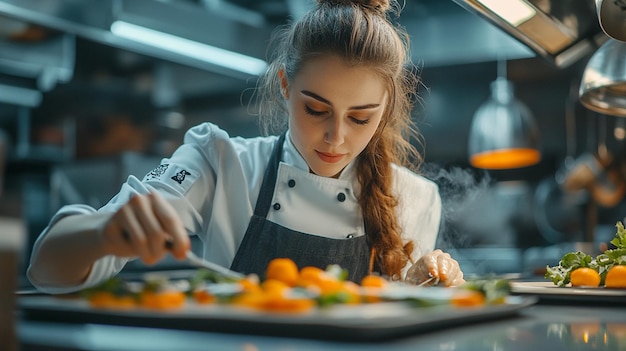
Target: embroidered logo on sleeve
180 176
158 172
174 175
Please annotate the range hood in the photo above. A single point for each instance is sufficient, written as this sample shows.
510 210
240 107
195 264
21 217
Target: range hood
560 31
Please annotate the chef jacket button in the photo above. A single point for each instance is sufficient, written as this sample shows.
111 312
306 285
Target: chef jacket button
291 183
276 206
350 236
341 197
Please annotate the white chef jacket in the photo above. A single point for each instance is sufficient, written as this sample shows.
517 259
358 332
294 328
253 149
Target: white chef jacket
213 182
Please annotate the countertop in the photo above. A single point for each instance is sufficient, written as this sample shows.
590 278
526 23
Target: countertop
542 326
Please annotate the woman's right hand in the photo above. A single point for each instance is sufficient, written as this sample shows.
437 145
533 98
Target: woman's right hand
147 227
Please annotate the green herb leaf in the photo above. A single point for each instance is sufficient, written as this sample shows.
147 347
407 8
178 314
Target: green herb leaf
114 285
615 256
560 274
620 237
492 288
337 272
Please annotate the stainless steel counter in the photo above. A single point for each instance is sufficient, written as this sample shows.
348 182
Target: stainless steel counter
538 327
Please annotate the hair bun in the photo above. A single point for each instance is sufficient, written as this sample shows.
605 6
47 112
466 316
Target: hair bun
381 6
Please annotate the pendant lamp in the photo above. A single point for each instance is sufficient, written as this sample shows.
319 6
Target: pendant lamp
612 18
603 85
503 133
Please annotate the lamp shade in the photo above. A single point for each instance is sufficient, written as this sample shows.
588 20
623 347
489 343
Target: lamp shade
612 18
503 134
603 85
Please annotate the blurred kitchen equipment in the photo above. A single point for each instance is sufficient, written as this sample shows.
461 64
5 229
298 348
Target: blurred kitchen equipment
4 144
619 130
583 172
588 166
559 213
608 189
11 241
10 27
603 85
601 173
73 182
570 135
17 30
612 18
609 186
503 134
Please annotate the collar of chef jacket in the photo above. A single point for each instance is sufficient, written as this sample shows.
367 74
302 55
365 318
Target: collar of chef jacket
315 205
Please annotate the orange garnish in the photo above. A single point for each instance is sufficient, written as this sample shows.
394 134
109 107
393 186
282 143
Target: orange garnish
204 297
162 299
353 291
248 284
105 299
273 296
468 299
318 279
311 277
585 276
284 270
616 277
275 287
282 304
373 281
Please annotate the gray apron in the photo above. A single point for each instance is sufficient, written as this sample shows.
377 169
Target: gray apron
265 240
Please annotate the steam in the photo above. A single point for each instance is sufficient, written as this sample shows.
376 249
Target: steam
461 190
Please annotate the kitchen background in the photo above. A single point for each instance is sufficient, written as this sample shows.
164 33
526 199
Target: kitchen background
82 105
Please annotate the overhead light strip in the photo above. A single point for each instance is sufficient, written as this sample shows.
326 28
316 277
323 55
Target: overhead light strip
515 12
207 53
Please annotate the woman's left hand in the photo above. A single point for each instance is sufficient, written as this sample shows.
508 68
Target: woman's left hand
437 264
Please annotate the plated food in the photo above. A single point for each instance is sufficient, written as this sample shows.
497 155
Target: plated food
286 289
579 269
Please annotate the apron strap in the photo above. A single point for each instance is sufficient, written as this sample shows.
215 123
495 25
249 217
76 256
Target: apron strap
264 202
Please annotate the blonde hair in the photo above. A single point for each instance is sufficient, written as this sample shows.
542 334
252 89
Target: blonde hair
361 33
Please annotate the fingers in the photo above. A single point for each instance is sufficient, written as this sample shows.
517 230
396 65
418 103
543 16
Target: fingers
437 264
423 269
445 267
448 269
418 273
143 226
170 223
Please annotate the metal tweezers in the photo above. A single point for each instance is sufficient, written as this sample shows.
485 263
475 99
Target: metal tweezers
200 262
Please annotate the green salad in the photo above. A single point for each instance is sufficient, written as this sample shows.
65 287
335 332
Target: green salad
560 274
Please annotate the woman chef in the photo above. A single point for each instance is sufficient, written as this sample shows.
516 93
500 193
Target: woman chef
331 189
